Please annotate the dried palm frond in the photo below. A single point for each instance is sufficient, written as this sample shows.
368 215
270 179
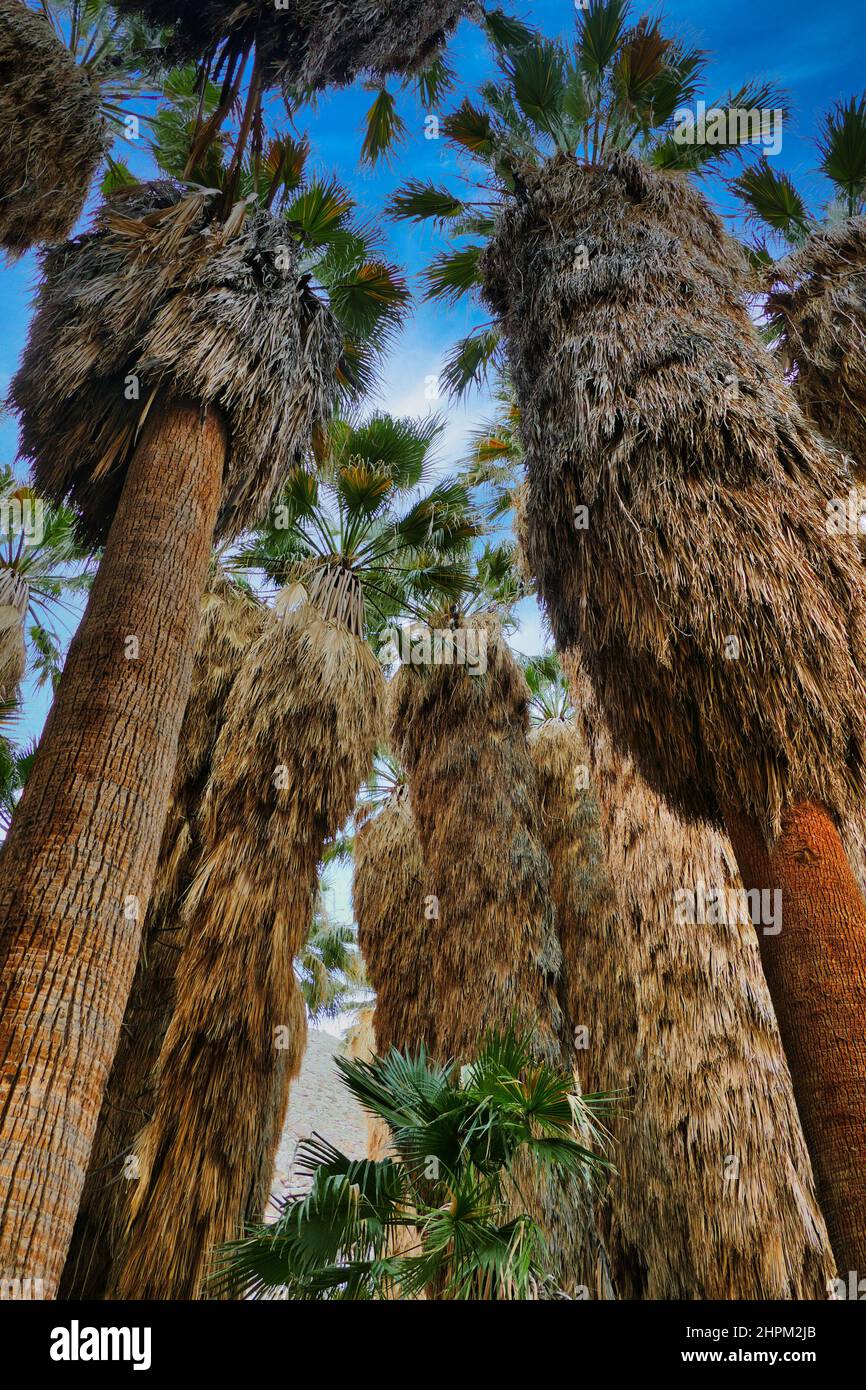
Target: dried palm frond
52 131
723 627
713 1196
304 44
817 307
231 621
491 943
161 295
393 934
297 742
14 602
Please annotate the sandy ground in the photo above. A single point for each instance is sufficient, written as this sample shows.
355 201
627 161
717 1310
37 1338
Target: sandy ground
318 1102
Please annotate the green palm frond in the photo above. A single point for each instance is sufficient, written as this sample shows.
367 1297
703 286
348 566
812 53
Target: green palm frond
417 201
842 145
453 274
384 128
470 360
449 1192
773 201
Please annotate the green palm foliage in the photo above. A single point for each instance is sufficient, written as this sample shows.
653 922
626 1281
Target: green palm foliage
329 969
775 206
119 52
619 86
341 255
450 1199
371 509
39 546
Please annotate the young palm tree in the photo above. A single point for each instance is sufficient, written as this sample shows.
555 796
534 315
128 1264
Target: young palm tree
659 444
450 1199
296 743
816 301
66 68
703 1205
389 901
176 367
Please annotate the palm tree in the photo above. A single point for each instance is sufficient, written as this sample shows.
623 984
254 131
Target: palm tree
459 727
449 1200
676 526
231 620
297 738
167 334
42 563
619 87
389 901
329 967
678 1012
66 69
816 301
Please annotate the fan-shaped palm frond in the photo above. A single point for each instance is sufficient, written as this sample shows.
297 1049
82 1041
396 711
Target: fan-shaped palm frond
450 1190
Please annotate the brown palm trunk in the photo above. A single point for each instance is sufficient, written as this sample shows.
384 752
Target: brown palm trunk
76 869
816 972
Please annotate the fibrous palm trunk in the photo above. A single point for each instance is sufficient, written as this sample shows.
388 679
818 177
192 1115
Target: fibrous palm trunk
393 932
231 620
494 957
297 742
714 1196
78 864
677 525
814 967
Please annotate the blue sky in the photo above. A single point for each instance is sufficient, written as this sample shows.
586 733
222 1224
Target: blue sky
810 50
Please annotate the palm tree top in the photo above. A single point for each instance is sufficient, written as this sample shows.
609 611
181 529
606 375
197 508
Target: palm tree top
621 86
367 527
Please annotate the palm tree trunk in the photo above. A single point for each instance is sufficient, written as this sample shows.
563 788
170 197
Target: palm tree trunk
77 867
816 972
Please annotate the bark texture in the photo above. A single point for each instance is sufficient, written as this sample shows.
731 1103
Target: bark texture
77 867
816 972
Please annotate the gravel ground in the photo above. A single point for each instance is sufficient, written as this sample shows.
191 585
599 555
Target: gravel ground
318 1102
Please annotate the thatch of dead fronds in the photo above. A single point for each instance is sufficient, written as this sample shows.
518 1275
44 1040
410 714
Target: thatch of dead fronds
723 627
160 296
394 936
817 305
306 44
14 601
714 1196
52 131
297 742
231 621
462 740
495 960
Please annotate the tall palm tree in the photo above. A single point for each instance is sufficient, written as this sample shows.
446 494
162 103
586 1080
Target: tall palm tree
494 957
231 620
676 525
66 69
677 1012
298 731
816 301
168 334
